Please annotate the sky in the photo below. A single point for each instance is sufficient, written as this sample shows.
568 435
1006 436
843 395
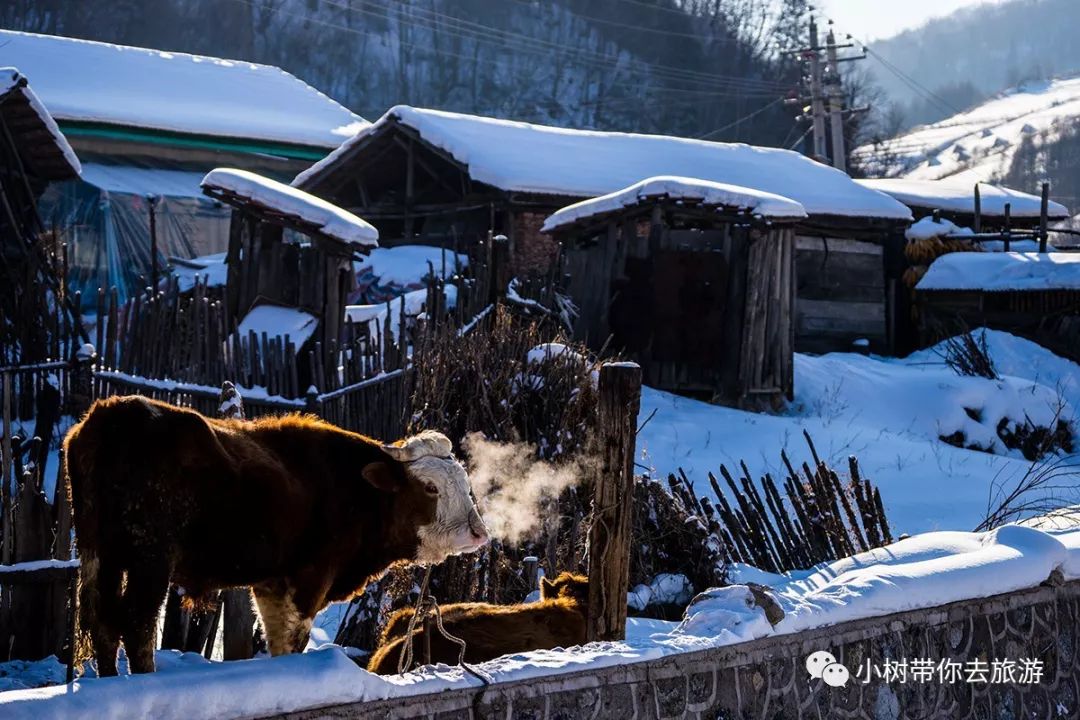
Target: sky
876 19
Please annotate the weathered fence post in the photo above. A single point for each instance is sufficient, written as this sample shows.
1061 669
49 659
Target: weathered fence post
499 271
238 629
613 495
1044 212
82 381
531 567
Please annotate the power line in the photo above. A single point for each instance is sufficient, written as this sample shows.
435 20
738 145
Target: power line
482 33
655 31
741 120
911 82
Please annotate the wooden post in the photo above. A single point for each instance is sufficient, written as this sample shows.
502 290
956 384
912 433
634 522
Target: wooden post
1044 213
531 567
238 629
7 502
613 494
154 271
1007 232
977 227
499 270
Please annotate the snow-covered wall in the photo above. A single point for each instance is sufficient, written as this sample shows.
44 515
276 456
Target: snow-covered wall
768 677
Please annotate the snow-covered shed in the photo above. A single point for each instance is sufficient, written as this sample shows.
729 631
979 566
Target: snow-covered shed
429 176
290 250
954 199
34 314
149 124
695 280
1030 294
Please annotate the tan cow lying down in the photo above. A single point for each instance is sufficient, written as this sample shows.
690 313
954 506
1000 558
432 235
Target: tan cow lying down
301 511
490 631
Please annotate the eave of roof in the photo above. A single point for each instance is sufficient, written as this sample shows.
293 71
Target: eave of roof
151 136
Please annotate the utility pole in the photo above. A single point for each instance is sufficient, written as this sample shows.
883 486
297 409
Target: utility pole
817 100
826 96
835 91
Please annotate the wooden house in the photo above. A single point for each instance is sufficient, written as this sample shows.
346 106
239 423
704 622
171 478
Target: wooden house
958 201
694 280
427 176
36 318
290 259
148 125
1030 294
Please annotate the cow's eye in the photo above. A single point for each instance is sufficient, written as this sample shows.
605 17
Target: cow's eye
431 488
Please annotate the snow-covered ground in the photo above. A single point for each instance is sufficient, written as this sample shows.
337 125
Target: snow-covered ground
918 572
889 413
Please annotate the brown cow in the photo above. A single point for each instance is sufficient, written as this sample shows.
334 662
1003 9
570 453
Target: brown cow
299 510
489 631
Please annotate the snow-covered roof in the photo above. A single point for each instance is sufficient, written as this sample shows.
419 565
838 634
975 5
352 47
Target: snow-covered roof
523 157
958 196
690 190
1003 271
982 140
131 180
139 87
927 228
278 321
64 164
240 187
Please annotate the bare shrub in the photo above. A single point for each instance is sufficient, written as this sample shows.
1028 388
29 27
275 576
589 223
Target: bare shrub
969 356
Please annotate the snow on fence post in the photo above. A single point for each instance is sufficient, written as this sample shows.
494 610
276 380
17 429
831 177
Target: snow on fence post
619 392
238 631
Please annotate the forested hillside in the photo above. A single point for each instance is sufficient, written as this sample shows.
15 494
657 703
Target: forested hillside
692 67
955 62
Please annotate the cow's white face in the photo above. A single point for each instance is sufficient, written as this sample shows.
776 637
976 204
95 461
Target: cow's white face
458 527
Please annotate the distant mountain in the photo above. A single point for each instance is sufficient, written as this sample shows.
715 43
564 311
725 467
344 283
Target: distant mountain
1019 138
977 52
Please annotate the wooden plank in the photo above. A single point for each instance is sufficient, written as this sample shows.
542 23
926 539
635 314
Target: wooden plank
837 245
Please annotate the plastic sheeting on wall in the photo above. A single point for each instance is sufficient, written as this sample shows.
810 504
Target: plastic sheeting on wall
105 220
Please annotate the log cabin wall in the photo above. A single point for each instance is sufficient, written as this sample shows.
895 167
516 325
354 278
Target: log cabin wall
1048 317
841 294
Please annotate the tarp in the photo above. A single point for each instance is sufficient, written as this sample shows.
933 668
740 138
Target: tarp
105 220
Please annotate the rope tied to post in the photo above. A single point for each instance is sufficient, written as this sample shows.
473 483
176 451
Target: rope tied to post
426 605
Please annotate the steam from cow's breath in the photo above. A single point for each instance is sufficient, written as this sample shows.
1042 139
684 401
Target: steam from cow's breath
516 492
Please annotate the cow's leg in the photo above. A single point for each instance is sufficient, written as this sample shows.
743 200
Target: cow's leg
309 598
147 585
279 615
100 609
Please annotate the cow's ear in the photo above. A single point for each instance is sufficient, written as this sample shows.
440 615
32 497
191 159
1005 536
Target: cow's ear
381 476
547 588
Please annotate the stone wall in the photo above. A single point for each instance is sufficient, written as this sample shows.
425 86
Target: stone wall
767 678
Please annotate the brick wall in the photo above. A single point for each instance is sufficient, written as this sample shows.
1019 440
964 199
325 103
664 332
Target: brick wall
766 678
533 250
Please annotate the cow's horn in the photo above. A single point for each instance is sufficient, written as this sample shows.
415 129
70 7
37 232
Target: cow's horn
426 444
